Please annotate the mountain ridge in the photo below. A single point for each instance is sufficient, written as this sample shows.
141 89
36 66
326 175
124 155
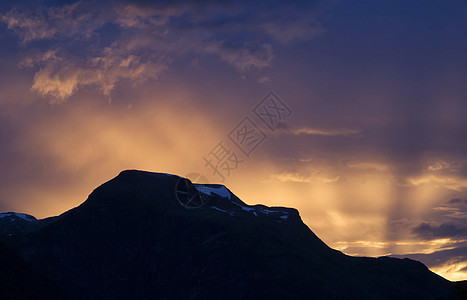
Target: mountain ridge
135 236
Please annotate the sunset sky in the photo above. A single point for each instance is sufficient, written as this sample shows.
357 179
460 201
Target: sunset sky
370 145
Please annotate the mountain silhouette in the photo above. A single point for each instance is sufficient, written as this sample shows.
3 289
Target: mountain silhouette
159 236
20 280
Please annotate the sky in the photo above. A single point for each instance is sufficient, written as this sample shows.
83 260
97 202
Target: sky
353 112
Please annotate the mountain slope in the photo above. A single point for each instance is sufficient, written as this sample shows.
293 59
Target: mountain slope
19 280
138 236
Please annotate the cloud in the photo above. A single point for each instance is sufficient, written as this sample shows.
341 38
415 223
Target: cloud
60 84
320 131
455 183
441 163
458 201
439 169
291 177
449 263
86 44
316 177
369 166
451 230
243 57
264 79
446 224
451 212
450 220
326 132
38 58
60 79
300 30
37 22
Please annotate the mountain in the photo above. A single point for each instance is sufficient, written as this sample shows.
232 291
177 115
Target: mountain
153 235
20 280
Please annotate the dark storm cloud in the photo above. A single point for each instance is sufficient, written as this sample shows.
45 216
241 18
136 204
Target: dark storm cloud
285 22
445 230
448 220
458 201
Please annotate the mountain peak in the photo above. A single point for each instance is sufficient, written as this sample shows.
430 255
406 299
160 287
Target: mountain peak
13 216
12 223
168 193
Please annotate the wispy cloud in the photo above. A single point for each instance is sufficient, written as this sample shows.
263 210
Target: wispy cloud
137 42
455 183
326 132
369 166
44 23
296 177
291 177
60 79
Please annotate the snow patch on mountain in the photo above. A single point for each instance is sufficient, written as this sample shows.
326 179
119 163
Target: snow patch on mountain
217 208
18 215
247 208
221 191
